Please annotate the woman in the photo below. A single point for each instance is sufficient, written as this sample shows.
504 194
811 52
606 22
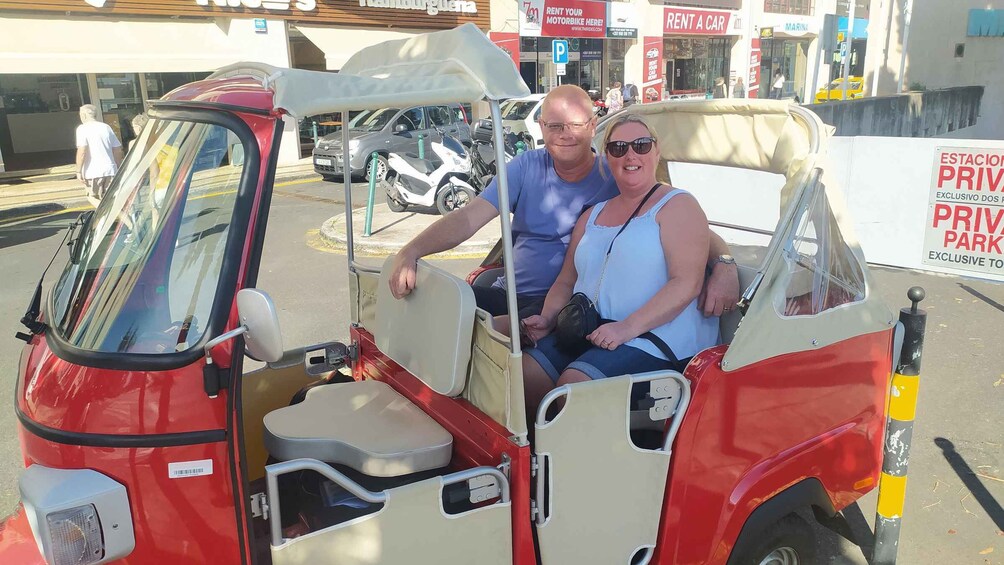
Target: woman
615 99
646 276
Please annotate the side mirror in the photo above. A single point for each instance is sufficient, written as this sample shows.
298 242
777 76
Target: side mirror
400 128
257 313
262 338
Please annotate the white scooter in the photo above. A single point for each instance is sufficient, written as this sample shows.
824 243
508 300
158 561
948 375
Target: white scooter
441 179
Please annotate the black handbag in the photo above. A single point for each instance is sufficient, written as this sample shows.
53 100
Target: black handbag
579 317
575 321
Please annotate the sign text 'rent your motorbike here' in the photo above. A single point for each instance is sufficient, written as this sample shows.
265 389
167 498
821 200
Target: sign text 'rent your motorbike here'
965 219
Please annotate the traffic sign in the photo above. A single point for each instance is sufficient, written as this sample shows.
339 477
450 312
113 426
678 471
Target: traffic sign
561 69
559 51
843 48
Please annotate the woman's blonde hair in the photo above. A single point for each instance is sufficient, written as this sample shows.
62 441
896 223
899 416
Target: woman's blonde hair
662 169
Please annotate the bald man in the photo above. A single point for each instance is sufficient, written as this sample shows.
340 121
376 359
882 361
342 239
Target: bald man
549 189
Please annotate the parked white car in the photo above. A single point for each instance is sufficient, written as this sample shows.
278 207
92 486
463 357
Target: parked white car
521 114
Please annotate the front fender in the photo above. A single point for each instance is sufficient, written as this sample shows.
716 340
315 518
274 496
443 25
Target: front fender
17 542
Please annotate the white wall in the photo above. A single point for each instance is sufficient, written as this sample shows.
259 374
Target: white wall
886 183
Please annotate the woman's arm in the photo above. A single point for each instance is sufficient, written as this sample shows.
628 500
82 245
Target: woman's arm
561 290
685 237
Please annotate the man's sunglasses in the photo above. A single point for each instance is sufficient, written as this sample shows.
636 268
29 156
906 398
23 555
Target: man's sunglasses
641 146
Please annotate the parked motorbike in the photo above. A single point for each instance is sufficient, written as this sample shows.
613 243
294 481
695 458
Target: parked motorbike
441 179
483 152
600 108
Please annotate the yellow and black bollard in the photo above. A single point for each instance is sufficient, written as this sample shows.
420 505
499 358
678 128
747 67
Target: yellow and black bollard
899 432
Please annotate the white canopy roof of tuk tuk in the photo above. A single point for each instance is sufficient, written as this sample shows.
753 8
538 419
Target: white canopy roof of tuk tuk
457 65
771 136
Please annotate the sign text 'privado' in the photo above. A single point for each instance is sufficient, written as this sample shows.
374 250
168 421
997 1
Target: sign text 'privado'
965 223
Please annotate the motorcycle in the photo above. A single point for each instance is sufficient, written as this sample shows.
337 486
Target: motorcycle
440 179
483 151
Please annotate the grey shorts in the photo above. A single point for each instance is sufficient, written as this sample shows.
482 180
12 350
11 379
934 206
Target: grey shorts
97 187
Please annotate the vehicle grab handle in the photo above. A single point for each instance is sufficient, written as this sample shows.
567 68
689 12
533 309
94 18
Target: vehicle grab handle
274 471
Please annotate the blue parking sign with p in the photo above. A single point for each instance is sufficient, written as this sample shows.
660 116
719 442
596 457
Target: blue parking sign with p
559 51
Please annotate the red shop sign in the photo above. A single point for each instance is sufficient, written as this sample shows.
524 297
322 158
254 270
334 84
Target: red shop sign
685 21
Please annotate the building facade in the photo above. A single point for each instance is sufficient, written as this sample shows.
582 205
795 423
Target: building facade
958 43
60 54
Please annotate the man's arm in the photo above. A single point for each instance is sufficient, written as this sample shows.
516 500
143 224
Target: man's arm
81 155
448 232
721 289
118 154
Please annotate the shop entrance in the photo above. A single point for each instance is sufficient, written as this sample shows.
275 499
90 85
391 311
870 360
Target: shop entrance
693 64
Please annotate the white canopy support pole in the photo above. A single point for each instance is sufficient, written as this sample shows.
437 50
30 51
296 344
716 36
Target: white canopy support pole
507 258
347 177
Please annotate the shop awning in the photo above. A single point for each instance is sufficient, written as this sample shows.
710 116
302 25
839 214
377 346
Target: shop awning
338 44
40 45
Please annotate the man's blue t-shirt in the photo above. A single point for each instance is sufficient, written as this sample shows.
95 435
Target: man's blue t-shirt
545 208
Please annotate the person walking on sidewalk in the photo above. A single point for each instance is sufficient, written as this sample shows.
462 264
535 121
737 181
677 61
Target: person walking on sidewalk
99 154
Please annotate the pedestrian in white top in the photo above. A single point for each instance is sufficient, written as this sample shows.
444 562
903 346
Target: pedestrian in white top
99 153
777 86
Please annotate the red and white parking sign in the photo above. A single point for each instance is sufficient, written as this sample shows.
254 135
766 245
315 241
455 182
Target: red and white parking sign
965 220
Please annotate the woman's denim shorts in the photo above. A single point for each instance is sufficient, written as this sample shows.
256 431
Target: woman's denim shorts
598 363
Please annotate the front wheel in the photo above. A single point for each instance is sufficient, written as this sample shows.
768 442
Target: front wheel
381 168
789 541
452 197
395 205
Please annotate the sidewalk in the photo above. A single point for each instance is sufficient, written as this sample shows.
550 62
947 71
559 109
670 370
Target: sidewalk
59 189
392 230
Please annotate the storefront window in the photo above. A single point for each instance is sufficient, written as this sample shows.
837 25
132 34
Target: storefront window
693 63
159 84
795 7
121 99
790 56
38 115
594 64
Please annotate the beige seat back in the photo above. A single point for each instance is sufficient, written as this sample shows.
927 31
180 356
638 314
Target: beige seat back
429 331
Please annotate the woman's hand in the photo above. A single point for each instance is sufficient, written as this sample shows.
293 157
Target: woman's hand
538 326
613 335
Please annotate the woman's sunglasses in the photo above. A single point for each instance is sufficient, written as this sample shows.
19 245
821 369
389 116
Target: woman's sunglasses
641 146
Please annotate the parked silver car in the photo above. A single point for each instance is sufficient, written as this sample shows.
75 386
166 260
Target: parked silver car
388 130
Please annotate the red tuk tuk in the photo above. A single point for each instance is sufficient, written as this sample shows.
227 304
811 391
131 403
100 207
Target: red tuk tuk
147 441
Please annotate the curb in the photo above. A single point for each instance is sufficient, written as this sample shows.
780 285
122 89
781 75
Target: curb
332 235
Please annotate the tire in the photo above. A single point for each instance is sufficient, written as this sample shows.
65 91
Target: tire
394 205
789 541
453 197
382 169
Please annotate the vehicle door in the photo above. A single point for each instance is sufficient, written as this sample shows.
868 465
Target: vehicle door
602 467
406 129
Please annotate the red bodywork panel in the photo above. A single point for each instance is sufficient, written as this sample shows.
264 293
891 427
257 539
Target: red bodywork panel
190 520
753 432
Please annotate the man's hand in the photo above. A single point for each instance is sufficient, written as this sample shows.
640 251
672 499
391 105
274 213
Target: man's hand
721 290
80 177
537 326
402 278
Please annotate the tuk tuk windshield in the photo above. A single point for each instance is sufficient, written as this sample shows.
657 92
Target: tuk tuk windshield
143 275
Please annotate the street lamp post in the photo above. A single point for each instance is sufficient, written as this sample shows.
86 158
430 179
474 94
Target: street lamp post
849 41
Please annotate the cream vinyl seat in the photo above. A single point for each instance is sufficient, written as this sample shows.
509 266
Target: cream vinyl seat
369 426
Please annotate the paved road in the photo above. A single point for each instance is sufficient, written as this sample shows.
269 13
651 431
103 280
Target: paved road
953 513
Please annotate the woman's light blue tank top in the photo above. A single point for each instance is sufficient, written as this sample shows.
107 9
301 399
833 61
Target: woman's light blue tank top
635 272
